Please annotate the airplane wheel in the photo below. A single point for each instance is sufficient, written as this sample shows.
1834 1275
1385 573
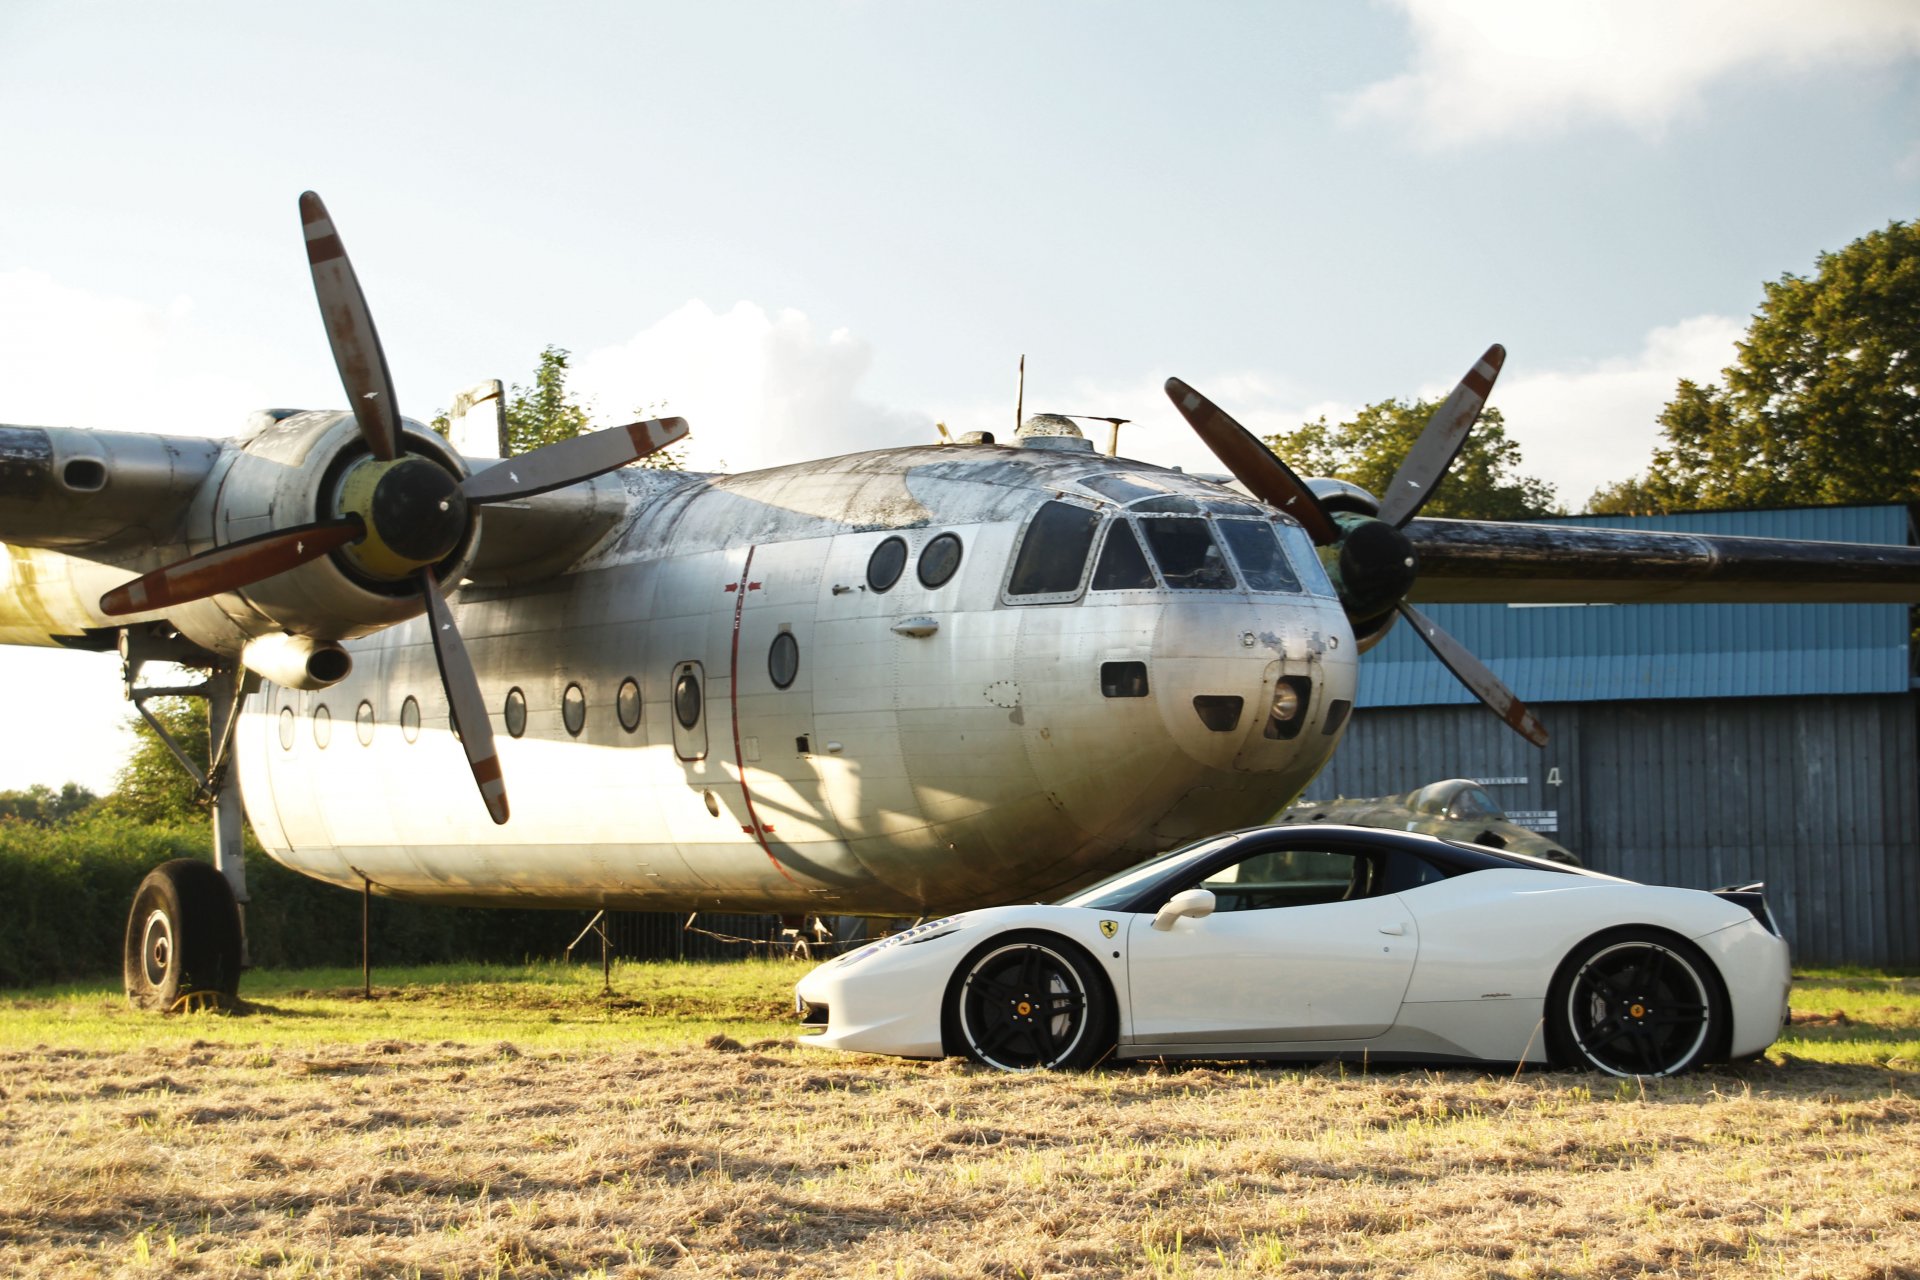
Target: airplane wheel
1636 1003
183 938
1027 1002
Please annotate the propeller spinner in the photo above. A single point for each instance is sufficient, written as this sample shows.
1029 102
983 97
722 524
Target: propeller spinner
1375 565
400 514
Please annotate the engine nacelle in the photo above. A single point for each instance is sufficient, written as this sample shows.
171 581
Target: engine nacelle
297 662
1362 551
291 468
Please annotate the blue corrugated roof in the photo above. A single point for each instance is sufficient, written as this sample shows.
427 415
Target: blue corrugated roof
1583 653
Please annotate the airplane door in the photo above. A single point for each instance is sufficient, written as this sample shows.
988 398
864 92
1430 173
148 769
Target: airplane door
774 663
1285 956
688 698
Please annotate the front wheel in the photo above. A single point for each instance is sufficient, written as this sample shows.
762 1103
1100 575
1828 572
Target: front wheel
183 937
1637 1003
1027 1002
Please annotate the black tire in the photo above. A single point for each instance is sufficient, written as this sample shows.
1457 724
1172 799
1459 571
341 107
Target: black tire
183 937
1636 1002
1029 1002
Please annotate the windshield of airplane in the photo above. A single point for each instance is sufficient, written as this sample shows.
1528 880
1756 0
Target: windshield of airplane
1117 889
1189 558
1053 554
1257 550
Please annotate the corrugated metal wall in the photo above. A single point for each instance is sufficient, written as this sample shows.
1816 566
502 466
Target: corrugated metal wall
1573 653
1819 797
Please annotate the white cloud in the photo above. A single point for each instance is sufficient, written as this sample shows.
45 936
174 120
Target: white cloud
1500 68
1578 428
78 359
1583 427
757 389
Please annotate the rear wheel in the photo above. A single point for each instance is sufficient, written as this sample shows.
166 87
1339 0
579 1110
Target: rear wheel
183 937
1027 1002
1637 1003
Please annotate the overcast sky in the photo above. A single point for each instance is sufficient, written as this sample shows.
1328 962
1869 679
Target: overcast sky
812 228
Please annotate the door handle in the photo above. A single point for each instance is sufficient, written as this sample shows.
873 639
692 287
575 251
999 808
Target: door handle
1396 930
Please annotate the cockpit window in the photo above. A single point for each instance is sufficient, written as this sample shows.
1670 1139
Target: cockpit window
1123 565
1173 504
1124 487
1189 558
1258 553
1474 803
1053 555
1305 560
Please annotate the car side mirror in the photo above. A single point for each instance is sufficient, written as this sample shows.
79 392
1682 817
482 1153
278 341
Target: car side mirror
1193 903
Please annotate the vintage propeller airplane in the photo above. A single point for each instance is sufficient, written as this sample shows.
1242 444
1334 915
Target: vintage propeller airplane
907 680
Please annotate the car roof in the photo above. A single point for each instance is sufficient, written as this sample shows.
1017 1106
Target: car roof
1456 856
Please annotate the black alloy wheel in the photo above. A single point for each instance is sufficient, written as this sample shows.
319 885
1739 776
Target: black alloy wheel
1029 1002
1637 1003
183 937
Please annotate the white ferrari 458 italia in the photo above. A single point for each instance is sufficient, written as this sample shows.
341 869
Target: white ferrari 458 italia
1325 942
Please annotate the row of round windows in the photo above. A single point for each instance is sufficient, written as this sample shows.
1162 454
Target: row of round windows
783 665
939 561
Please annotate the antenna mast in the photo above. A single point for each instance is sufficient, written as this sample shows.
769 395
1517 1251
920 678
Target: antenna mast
1020 395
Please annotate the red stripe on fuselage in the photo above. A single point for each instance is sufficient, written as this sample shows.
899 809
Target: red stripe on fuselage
739 590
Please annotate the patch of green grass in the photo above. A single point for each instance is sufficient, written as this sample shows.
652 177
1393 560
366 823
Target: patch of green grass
556 1006
1856 1017
1848 1018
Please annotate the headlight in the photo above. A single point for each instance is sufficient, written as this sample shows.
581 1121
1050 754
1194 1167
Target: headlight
918 933
1286 702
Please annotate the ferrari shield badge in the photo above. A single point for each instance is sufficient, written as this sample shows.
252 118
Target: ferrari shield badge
1108 928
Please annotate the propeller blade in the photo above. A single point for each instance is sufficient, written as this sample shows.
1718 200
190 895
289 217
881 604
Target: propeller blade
229 568
1440 441
565 462
463 695
1473 673
1252 463
356 347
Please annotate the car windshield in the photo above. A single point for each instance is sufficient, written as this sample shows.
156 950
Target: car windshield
1121 888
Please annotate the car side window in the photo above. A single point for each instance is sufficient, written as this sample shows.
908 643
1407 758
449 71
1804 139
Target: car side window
1281 878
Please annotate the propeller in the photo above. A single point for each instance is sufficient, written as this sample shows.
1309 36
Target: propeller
1374 565
400 514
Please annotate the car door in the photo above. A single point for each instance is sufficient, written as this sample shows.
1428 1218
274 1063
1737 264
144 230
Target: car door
1299 948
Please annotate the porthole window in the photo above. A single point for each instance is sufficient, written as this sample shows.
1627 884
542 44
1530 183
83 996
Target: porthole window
885 565
410 719
573 709
515 712
322 726
783 660
286 728
363 722
627 704
686 699
939 560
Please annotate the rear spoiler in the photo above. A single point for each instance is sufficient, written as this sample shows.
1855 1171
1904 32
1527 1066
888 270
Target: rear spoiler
1754 898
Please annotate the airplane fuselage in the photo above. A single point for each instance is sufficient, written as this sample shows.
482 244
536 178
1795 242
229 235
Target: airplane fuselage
727 703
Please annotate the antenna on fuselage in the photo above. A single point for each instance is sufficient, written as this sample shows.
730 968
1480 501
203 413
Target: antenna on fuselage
1113 433
1020 396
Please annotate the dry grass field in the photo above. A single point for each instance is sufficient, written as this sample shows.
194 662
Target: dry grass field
520 1124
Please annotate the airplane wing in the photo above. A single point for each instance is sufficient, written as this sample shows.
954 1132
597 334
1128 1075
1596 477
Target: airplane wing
77 491
1491 562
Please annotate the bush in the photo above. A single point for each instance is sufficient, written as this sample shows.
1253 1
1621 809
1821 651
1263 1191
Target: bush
68 888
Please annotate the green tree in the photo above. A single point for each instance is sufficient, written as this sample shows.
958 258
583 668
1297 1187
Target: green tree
1482 484
151 787
545 412
41 805
1822 404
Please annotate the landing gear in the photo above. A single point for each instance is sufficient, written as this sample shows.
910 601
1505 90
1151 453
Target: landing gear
183 939
1028 1002
1636 1003
186 935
